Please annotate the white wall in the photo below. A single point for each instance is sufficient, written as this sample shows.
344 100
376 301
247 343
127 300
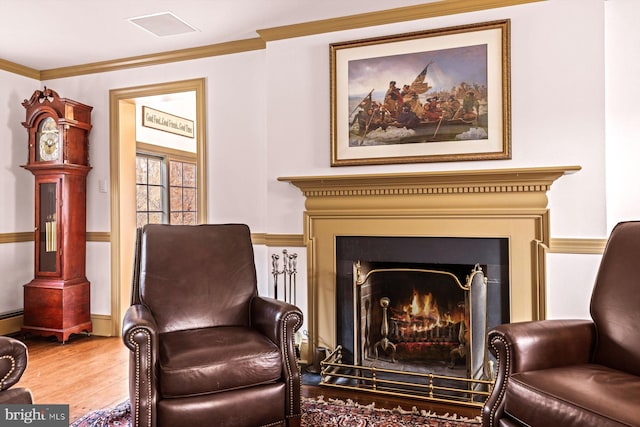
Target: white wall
622 131
553 44
16 190
268 116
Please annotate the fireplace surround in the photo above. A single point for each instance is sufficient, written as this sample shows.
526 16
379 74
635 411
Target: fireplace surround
506 204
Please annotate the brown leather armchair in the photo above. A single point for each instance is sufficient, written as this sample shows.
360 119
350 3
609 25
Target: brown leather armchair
206 350
13 363
576 372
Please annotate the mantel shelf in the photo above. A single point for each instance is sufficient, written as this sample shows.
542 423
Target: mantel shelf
468 181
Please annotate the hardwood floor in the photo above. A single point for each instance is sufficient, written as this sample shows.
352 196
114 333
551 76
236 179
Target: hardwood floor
87 372
91 372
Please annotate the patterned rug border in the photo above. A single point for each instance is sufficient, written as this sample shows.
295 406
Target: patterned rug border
120 414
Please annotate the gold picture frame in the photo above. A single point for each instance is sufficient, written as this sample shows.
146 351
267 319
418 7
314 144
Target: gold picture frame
431 96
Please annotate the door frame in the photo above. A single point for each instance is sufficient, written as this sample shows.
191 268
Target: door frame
122 180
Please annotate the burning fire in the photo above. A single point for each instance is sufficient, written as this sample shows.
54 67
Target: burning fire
422 314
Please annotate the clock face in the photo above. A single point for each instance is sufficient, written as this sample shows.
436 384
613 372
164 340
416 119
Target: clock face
48 140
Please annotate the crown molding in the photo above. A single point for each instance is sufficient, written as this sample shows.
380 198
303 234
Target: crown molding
390 16
156 58
21 70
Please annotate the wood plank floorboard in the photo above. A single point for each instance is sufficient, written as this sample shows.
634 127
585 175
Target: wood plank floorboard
91 372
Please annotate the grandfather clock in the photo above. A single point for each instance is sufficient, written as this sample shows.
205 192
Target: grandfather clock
57 300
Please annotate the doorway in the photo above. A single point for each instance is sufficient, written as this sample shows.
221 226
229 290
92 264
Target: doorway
122 107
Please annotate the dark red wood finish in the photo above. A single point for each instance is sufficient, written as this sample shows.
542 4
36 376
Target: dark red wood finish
57 301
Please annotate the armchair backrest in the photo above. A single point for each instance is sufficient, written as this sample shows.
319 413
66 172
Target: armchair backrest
615 301
195 276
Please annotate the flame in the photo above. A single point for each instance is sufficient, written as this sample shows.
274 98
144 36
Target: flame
422 314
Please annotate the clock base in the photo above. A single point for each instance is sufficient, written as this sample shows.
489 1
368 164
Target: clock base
57 308
61 335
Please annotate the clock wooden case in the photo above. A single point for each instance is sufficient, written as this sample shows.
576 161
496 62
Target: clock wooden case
57 300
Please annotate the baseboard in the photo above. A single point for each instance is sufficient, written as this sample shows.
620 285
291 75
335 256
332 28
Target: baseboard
102 325
11 325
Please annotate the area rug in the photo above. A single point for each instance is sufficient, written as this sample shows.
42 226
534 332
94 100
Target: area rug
315 413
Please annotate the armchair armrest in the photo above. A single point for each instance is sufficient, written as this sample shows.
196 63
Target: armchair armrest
13 361
528 346
140 335
279 321
276 319
543 344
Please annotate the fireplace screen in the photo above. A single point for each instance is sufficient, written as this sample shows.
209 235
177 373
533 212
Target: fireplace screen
418 329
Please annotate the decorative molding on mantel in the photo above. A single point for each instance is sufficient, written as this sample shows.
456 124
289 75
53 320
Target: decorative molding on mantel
448 182
483 190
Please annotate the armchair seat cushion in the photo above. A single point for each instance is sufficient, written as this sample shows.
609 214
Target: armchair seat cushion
577 395
210 360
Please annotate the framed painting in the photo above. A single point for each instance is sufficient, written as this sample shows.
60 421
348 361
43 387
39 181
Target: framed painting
432 96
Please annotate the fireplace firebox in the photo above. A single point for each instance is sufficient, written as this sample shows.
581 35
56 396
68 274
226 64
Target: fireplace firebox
416 308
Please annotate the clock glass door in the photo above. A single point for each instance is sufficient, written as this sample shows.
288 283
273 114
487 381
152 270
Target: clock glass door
48 228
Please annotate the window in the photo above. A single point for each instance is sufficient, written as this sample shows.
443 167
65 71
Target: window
165 190
150 190
182 192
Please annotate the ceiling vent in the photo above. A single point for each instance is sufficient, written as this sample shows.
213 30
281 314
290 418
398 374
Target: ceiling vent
162 24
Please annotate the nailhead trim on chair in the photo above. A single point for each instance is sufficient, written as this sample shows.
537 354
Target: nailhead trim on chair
283 345
146 333
506 379
13 368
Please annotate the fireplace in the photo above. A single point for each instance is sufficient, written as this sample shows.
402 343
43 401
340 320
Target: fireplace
403 305
506 208
405 265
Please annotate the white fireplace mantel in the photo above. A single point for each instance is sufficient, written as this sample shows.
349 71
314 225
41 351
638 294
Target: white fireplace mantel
504 203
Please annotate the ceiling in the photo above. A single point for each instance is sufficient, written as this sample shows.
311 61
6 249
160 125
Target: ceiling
45 34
